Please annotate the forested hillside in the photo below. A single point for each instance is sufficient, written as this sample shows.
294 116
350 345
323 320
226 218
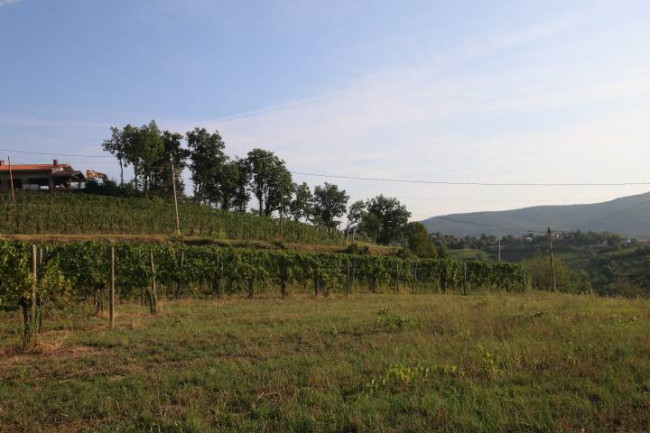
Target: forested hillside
629 216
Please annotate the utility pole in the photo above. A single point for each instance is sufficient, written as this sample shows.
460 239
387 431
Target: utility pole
11 183
550 256
178 221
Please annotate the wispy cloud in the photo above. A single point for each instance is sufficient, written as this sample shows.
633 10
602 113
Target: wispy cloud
424 122
9 2
13 120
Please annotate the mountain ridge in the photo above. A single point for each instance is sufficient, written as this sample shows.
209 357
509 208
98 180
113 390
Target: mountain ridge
629 216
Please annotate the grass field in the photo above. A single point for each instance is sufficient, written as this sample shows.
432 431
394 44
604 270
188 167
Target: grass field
531 363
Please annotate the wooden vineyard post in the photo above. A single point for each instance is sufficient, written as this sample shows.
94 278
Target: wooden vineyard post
348 282
111 290
550 255
179 285
281 212
251 280
11 183
251 285
152 293
31 337
40 310
464 277
396 277
414 268
178 220
283 283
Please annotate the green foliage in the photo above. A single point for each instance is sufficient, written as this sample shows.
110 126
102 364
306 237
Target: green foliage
207 165
385 220
301 206
355 248
604 263
541 276
355 214
390 320
79 213
150 152
419 241
398 378
329 205
15 275
81 270
270 180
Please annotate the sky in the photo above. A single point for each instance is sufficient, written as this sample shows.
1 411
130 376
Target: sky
455 91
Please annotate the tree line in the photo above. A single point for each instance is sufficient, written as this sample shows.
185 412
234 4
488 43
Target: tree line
260 183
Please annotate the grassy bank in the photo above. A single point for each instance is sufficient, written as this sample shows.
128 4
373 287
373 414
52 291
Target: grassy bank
531 362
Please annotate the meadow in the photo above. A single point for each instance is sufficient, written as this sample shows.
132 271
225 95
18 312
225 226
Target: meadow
533 362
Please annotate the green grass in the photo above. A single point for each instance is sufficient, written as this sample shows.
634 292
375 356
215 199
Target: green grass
420 363
470 254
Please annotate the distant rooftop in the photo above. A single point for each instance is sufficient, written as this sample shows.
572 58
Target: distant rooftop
54 167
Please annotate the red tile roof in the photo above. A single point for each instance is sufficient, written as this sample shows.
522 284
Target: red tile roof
33 167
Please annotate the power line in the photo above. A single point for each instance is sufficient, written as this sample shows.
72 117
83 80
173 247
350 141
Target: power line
445 182
55 154
519 200
381 179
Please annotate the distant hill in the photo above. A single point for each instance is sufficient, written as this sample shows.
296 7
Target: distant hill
629 216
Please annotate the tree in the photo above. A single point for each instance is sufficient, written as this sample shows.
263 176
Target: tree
392 217
142 148
329 204
163 177
280 191
370 225
151 147
234 186
208 162
269 179
419 241
302 205
117 146
355 213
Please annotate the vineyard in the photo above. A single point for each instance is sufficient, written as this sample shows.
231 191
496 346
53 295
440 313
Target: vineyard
78 213
61 273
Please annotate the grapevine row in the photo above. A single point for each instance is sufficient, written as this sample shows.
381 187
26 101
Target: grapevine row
42 213
33 277
208 269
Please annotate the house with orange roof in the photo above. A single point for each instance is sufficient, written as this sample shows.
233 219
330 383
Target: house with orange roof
37 177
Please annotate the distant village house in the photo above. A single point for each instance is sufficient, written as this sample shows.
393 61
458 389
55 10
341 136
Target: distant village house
38 177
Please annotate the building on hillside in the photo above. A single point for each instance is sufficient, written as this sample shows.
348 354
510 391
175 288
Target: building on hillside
37 177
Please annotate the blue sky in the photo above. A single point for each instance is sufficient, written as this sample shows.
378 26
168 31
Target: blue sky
499 91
